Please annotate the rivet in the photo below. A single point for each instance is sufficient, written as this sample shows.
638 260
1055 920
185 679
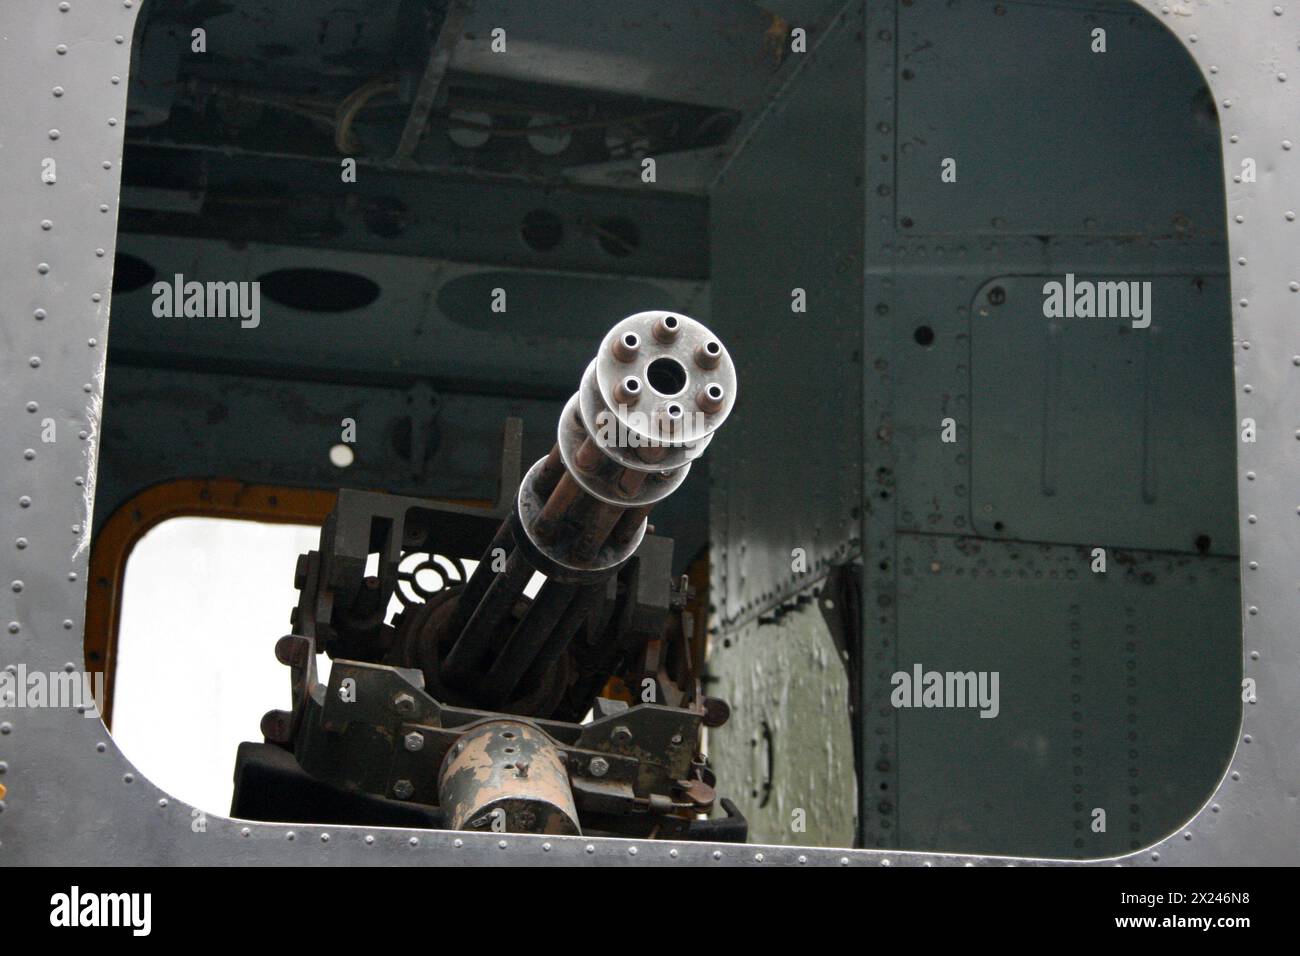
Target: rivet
54 134
39 315
43 268
47 225
245 832
34 361
20 543
61 49
128 778
17 587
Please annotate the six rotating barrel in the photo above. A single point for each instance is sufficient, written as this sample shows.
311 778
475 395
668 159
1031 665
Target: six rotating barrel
648 405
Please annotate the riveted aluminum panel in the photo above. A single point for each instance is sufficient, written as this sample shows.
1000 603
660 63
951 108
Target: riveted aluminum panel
786 470
1116 691
1093 430
1015 94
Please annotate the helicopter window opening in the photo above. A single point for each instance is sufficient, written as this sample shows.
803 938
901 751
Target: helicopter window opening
230 580
209 597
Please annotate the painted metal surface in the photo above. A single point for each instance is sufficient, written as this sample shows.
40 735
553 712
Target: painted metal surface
73 798
786 754
779 230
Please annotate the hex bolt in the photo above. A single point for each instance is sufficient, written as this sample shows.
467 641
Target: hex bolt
404 703
414 741
403 789
622 734
598 767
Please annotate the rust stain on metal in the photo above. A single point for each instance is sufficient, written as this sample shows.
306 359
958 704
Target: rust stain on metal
774 38
507 776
